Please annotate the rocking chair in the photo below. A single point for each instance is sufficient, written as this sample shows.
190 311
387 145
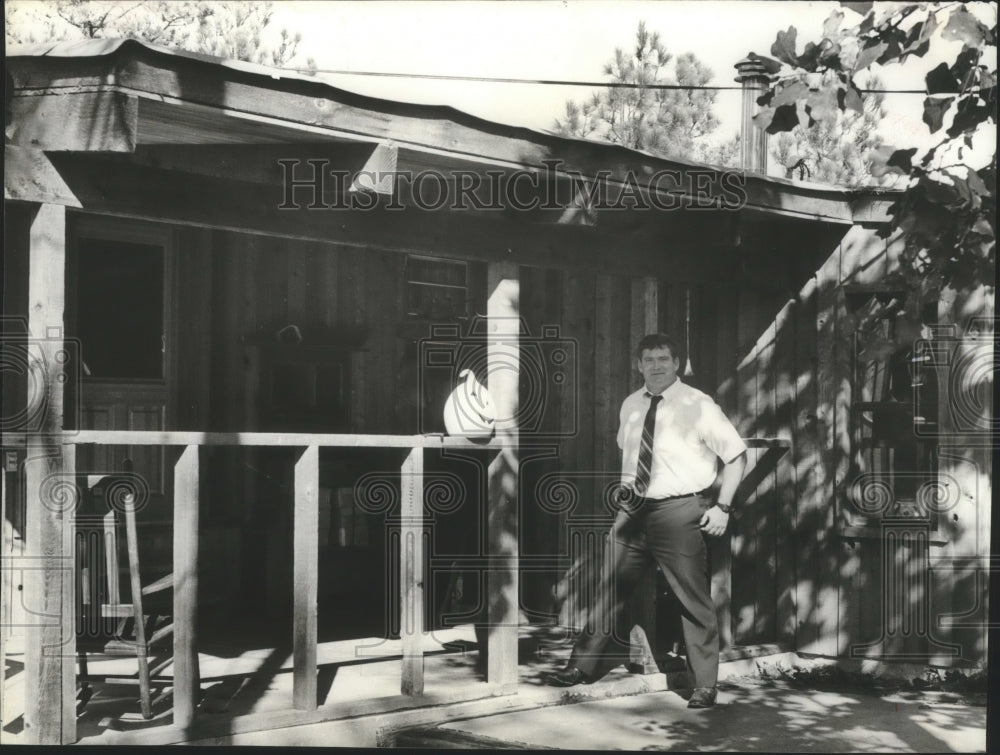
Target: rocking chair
107 626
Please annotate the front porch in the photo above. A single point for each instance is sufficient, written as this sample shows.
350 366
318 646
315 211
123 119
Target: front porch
246 693
144 154
229 675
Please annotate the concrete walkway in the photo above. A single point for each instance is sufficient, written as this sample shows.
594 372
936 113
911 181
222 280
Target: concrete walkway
750 716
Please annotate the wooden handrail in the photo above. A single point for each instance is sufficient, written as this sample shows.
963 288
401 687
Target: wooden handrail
329 440
195 438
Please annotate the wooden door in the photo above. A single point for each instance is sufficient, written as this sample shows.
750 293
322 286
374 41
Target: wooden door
120 272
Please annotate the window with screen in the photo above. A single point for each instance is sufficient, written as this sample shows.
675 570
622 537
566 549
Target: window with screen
436 289
120 309
890 460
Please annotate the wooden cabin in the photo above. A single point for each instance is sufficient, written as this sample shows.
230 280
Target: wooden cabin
258 290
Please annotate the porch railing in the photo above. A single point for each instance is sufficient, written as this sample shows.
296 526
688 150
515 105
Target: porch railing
187 473
305 547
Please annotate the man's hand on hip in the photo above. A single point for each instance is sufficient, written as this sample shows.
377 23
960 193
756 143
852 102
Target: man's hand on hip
714 521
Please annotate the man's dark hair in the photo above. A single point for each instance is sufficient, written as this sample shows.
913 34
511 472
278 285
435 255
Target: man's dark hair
659 341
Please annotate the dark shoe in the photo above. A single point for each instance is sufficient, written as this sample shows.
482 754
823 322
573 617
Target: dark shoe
566 677
702 697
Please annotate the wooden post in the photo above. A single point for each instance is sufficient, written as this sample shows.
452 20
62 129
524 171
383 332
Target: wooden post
643 320
186 681
135 587
50 640
503 366
305 541
411 560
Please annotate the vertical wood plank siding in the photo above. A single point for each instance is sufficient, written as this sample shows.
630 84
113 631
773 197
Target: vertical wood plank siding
793 346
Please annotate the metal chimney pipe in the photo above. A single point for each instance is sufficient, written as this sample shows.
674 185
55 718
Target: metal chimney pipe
753 141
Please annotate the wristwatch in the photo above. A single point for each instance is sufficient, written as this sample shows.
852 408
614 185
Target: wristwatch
726 508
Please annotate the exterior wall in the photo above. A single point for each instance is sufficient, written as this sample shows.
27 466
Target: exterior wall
565 508
778 364
259 284
881 587
337 296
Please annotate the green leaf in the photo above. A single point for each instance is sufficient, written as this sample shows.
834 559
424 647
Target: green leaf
940 80
810 56
851 98
785 118
928 27
970 114
919 51
918 39
977 185
989 176
965 27
982 227
829 54
823 105
831 27
964 67
869 54
940 193
887 159
859 8
784 47
962 188
892 51
790 93
903 159
771 65
866 23
934 110
763 118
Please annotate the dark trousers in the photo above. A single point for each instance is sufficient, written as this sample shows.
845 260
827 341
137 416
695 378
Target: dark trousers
665 533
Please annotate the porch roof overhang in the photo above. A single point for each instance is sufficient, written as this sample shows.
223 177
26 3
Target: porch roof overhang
127 128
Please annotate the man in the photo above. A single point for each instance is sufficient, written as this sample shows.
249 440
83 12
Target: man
671 436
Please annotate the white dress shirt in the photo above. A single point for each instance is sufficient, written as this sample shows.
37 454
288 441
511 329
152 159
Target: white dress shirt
690 435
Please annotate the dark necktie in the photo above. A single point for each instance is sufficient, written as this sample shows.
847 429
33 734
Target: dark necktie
646 448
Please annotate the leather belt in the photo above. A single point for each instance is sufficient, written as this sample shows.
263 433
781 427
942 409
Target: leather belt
674 497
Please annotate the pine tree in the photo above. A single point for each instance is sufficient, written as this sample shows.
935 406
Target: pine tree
234 30
668 122
839 147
